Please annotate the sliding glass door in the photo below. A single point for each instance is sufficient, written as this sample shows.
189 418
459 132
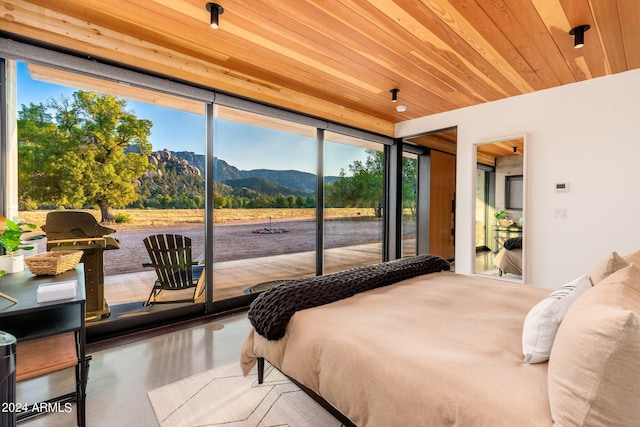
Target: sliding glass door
353 202
264 202
131 158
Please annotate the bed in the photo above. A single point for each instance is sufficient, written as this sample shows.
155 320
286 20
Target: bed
509 258
440 349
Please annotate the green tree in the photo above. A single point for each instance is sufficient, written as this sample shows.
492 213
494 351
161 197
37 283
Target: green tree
280 201
35 130
409 184
363 188
83 151
219 201
310 202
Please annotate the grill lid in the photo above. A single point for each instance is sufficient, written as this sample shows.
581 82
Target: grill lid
73 225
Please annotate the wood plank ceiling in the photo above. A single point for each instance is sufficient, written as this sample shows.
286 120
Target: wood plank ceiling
338 59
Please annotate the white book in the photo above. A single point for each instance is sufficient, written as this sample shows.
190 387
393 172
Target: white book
57 291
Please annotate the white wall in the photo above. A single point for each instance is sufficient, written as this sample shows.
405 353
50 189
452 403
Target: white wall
585 134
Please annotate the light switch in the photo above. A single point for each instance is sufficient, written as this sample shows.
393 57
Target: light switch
560 213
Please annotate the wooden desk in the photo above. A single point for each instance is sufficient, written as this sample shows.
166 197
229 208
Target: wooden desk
29 320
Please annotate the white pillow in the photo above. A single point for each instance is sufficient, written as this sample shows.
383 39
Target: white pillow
543 320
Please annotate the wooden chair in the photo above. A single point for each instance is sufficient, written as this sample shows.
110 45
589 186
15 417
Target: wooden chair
170 256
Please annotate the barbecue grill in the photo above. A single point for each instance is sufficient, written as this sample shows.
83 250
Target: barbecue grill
73 230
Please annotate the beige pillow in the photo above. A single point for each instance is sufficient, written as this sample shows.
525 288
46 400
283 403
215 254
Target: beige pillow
633 258
594 374
613 263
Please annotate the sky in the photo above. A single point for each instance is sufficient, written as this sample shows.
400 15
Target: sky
244 146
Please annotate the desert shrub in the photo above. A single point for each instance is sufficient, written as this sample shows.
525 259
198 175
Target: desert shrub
121 218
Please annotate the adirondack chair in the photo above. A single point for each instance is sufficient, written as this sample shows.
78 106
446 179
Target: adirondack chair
170 256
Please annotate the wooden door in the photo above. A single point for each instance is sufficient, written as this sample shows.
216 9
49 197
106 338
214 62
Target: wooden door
442 204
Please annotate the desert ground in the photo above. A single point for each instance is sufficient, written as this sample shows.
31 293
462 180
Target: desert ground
235 239
233 242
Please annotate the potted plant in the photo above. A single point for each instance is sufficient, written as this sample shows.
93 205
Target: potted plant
10 240
503 219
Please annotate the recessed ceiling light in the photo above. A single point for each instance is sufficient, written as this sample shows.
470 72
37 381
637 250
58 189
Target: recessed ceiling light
401 108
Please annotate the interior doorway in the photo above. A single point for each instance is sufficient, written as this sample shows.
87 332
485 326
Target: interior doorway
436 191
442 202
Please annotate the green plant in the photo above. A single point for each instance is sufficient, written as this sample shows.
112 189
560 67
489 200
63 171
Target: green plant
121 218
500 215
10 238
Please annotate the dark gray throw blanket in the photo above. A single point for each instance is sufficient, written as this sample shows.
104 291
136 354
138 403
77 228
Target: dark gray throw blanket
270 312
513 243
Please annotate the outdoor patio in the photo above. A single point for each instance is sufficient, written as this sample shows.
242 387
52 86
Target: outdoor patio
232 278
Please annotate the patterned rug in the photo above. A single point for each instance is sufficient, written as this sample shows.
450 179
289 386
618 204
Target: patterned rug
223 397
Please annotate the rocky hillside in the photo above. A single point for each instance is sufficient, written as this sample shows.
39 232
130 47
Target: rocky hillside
186 163
197 160
178 165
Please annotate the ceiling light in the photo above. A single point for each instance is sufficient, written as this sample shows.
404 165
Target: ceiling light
215 10
394 95
578 34
401 108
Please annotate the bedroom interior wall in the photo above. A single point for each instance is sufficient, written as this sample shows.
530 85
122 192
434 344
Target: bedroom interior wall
585 134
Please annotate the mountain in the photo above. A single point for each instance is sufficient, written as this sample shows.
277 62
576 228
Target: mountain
197 160
290 181
223 171
282 182
260 185
175 180
175 163
300 182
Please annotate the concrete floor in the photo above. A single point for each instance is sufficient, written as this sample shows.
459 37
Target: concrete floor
124 370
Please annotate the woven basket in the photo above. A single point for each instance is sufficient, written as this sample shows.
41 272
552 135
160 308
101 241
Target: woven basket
52 263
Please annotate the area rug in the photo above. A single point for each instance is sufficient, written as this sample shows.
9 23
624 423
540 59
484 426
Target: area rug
223 397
